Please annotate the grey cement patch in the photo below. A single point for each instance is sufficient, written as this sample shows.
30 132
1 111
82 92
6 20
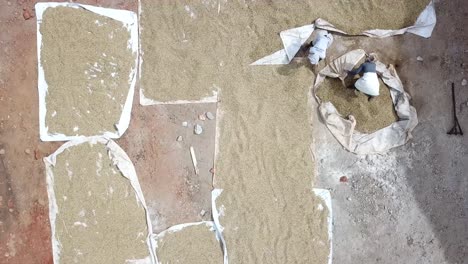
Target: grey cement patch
409 205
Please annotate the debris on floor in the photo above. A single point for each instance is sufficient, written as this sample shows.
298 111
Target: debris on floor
27 14
209 115
194 160
197 129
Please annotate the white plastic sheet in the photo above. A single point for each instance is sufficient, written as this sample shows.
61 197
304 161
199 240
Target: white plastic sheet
129 19
218 210
343 129
123 163
294 38
180 227
325 196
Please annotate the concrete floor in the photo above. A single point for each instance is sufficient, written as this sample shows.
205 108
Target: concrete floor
406 206
409 205
174 193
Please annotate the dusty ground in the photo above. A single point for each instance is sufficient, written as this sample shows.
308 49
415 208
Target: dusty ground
173 192
407 206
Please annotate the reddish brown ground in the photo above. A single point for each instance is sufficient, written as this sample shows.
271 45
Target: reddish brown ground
173 193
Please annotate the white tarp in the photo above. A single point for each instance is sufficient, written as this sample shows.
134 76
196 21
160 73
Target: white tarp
342 129
129 19
218 210
177 228
123 163
294 38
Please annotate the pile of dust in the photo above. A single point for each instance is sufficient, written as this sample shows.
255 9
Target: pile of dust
196 244
370 115
87 65
99 219
186 44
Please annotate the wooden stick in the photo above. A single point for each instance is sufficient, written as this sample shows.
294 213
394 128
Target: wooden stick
194 160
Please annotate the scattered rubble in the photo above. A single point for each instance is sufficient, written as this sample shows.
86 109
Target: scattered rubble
209 115
179 138
27 151
202 117
197 129
194 160
202 213
419 58
26 14
38 154
185 124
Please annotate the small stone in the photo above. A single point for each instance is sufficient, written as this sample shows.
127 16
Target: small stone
179 138
10 210
27 151
185 124
202 212
197 129
349 198
2 152
419 58
209 115
464 82
26 14
37 154
202 117
343 179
